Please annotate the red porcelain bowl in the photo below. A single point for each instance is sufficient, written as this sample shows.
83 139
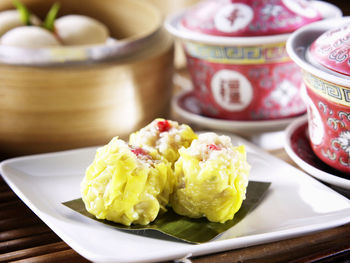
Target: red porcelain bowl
237 59
327 91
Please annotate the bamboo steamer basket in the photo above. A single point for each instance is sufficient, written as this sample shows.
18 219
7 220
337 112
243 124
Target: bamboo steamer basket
77 99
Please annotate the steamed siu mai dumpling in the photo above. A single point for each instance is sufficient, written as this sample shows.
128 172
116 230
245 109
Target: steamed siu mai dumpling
211 178
127 184
165 136
10 19
30 37
80 30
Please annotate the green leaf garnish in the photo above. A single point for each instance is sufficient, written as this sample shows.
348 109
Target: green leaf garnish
23 11
182 227
51 16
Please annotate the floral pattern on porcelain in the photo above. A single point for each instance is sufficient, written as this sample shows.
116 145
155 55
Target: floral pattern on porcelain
249 17
329 121
245 82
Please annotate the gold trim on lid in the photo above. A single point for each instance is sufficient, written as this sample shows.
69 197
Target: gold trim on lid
335 93
262 54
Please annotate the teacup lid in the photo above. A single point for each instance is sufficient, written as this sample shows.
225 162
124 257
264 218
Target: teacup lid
249 17
332 49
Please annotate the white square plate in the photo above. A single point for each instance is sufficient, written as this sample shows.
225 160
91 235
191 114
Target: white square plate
295 204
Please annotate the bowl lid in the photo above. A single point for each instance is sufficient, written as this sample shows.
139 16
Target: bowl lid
332 49
249 17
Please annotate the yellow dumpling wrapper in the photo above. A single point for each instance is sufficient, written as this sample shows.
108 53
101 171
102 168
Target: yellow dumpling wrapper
127 185
211 179
165 136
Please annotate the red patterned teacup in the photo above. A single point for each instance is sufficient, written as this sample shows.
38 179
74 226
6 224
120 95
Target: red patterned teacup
237 59
322 50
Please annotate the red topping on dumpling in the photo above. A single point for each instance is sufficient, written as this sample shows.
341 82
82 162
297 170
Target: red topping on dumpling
139 151
163 126
213 147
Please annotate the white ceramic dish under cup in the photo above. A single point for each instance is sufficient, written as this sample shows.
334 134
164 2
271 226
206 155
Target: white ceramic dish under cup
185 105
298 148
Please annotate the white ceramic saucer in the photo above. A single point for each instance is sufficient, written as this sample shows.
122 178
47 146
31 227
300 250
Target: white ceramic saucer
299 150
185 105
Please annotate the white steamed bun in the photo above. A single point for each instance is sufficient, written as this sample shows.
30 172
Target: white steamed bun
80 30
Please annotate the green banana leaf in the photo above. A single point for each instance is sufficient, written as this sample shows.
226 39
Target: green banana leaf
182 227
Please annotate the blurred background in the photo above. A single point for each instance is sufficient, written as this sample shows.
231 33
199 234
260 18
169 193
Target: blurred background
343 5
